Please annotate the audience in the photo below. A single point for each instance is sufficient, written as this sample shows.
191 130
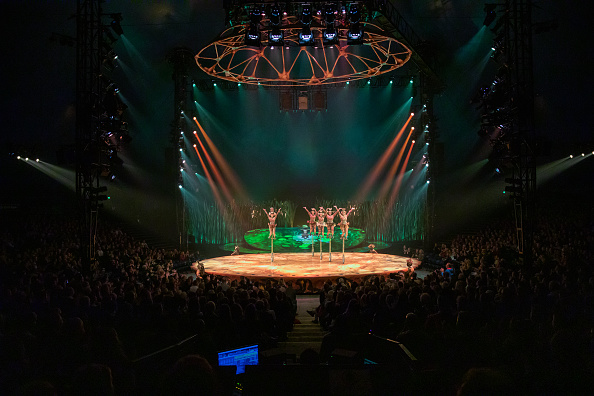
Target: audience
480 309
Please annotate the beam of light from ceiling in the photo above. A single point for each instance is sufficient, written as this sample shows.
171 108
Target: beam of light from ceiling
215 170
396 188
380 165
211 182
392 172
224 165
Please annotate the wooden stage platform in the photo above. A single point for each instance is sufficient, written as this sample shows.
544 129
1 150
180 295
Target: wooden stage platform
305 266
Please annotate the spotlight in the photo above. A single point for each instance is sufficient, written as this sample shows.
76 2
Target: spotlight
412 114
330 35
414 141
26 158
275 37
583 154
411 80
115 24
275 15
355 32
570 155
18 157
306 36
37 160
306 15
491 15
252 34
180 186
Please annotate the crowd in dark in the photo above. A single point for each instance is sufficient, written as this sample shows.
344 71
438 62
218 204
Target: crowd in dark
517 327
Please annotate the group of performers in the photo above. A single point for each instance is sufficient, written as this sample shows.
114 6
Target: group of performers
319 221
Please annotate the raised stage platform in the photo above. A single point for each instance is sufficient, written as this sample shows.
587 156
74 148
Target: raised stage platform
305 266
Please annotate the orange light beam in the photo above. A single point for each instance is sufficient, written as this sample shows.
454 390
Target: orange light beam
379 166
223 164
211 182
396 187
392 173
216 172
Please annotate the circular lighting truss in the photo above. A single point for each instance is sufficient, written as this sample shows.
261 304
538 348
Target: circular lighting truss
290 63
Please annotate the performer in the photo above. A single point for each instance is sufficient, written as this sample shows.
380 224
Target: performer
272 222
344 224
330 221
235 251
312 220
372 248
321 221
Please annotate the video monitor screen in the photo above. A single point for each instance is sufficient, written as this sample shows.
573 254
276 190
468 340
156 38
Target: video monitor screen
240 357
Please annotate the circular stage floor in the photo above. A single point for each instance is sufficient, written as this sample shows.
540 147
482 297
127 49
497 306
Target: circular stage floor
303 265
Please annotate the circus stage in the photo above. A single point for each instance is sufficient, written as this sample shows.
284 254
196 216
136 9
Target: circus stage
305 266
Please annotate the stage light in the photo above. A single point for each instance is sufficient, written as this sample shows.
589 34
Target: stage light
583 154
306 15
412 114
348 82
18 157
37 160
329 35
491 15
275 15
306 36
214 84
181 169
252 34
115 24
411 80
391 80
355 32
570 155
181 149
275 37
26 158
414 141
180 186
428 181
369 81
194 145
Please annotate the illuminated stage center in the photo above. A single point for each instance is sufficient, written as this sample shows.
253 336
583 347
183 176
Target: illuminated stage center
306 266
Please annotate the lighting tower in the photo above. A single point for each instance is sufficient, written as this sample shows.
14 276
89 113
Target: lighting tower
513 50
90 52
181 59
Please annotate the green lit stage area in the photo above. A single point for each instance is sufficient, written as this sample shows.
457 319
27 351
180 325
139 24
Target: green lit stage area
316 267
298 239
